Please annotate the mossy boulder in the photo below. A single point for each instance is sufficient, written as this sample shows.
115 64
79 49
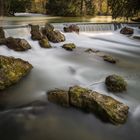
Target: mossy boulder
35 32
110 59
2 34
48 28
76 95
69 46
44 43
115 83
2 41
72 28
59 96
12 70
55 36
105 107
127 31
17 44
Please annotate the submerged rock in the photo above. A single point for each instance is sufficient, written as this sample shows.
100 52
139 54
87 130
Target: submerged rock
72 28
12 70
17 44
104 106
110 59
89 50
115 83
136 37
69 46
127 31
2 34
35 32
44 43
59 96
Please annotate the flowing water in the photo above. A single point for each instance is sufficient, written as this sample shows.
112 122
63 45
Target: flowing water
57 68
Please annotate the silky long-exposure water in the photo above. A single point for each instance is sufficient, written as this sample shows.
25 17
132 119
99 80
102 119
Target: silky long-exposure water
57 68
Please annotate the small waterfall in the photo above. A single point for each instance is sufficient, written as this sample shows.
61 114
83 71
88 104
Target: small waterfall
91 27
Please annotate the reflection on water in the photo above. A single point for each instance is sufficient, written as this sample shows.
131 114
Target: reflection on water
57 68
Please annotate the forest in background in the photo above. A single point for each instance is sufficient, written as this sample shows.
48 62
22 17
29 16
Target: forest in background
116 8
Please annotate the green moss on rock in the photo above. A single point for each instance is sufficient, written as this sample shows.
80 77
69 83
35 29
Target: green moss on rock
115 83
59 96
109 59
69 46
44 43
12 70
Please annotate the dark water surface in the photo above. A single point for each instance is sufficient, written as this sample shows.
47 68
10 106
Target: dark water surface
57 68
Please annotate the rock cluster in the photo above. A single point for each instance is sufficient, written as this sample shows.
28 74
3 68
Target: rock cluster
12 70
107 108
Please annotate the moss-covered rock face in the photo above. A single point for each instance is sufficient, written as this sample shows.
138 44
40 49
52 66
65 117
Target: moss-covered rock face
17 44
2 34
48 28
12 70
44 43
59 96
35 32
115 83
72 28
76 95
127 31
55 36
105 107
109 59
69 46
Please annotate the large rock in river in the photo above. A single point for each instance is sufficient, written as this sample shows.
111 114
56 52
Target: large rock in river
127 31
53 35
44 43
35 32
17 44
105 107
2 34
12 70
72 28
59 96
115 83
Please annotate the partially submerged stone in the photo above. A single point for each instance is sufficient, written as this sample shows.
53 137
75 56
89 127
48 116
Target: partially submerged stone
127 31
48 28
89 50
2 34
35 32
110 59
115 83
136 37
105 107
44 43
55 36
69 46
12 70
59 96
17 44
72 28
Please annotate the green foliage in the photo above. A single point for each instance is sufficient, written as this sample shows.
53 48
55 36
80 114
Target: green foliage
70 7
124 8
13 6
